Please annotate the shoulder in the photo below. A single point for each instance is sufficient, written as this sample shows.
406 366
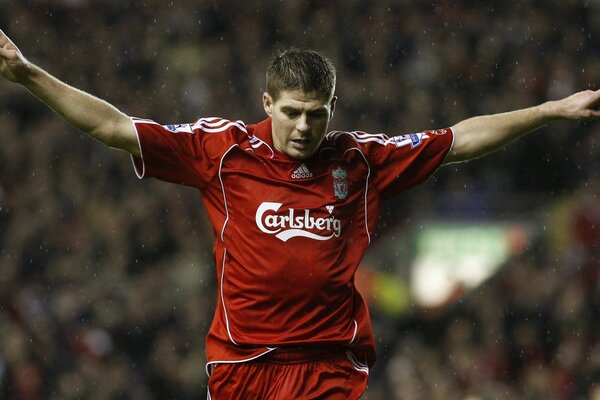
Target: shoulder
211 136
358 140
208 125
217 125
380 148
356 137
218 135
340 139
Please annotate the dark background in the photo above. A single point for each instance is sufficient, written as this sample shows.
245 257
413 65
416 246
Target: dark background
107 282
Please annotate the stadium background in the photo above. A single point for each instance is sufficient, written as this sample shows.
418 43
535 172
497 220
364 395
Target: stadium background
106 282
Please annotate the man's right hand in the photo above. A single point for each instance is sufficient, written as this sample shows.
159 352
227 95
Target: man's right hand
13 66
94 116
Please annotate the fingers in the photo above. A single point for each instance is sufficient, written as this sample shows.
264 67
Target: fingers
594 98
582 105
8 50
595 94
7 54
594 102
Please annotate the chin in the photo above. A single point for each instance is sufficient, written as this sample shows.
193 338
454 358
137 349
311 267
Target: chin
296 155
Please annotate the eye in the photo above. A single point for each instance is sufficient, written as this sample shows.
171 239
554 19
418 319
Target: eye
291 113
318 114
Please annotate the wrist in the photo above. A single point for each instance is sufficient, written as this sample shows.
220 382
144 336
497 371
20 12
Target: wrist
550 110
27 74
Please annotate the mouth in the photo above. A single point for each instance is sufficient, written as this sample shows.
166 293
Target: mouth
301 143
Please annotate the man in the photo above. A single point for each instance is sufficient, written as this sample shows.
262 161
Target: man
293 209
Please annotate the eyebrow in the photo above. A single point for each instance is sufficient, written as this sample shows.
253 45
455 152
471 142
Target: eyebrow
295 109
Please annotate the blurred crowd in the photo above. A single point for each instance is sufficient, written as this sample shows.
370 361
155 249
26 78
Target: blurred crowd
106 282
530 332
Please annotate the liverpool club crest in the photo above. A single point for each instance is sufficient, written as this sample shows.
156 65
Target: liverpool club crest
340 183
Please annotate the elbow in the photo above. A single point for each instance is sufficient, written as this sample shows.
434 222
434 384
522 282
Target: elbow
106 134
119 134
467 146
460 151
465 153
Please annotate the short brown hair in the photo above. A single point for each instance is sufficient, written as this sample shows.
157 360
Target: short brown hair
300 69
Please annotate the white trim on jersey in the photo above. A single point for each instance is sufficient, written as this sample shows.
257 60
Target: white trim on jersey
223 190
366 189
139 174
355 135
256 142
137 120
450 149
361 137
223 297
380 138
213 124
365 135
269 349
222 238
359 366
213 120
355 331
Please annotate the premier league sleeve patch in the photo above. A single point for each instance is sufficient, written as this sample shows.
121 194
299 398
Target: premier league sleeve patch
179 128
412 139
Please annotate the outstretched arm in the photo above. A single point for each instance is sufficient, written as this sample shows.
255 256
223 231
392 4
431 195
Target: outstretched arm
477 136
90 114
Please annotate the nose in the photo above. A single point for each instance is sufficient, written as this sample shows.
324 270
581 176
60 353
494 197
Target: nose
302 125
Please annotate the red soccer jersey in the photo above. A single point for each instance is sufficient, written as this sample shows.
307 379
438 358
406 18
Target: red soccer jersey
289 233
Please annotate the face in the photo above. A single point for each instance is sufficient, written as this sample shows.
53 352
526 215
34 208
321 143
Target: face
299 121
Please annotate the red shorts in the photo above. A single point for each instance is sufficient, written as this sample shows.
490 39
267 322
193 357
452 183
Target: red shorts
287 374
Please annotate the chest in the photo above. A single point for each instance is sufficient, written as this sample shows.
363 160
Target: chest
299 184
317 199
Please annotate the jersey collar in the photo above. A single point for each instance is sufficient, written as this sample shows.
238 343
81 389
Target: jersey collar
261 138
263 131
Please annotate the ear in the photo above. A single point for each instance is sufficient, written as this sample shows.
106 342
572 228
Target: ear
268 104
332 106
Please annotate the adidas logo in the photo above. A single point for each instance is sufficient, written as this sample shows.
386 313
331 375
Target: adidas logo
302 172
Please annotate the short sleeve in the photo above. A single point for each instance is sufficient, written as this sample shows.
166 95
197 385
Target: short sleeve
402 162
185 154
